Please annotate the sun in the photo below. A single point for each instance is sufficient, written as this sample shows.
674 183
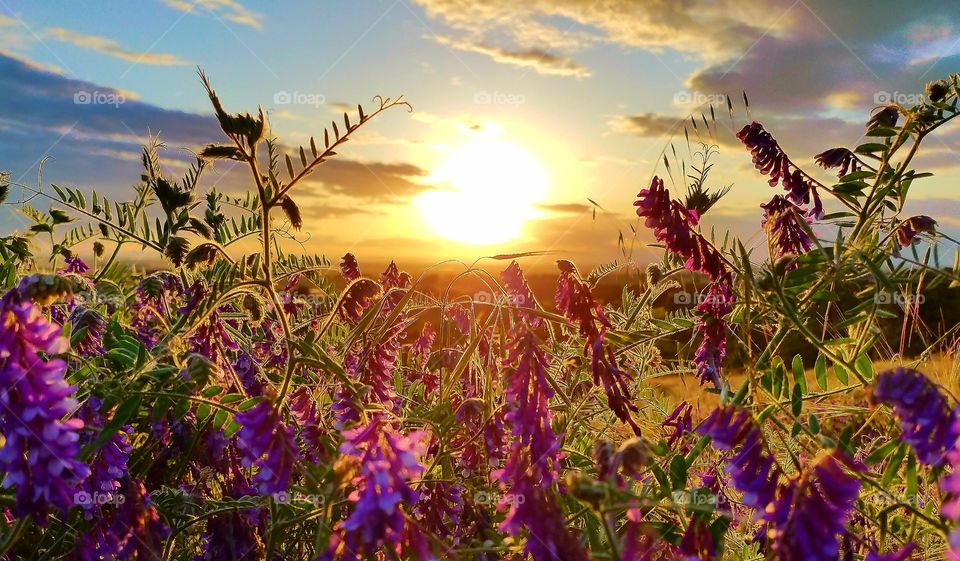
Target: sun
487 189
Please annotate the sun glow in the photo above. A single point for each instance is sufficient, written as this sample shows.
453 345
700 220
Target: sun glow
486 192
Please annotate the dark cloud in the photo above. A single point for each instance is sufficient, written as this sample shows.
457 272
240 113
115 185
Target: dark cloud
537 58
92 136
372 181
565 208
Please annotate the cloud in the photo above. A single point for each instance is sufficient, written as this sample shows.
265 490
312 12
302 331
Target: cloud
230 10
370 181
564 208
709 30
93 144
536 58
111 48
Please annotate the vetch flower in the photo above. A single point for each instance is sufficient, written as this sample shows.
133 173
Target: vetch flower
349 268
575 301
811 511
926 421
910 229
713 328
781 221
752 471
841 159
267 444
88 328
39 454
387 462
770 160
519 293
672 224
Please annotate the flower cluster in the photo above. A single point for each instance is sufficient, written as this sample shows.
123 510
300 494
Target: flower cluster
782 223
268 444
672 224
713 328
575 300
908 230
40 449
811 511
752 471
927 422
770 160
387 462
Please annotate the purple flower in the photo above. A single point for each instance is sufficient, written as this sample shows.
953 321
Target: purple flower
387 463
713 328
39 455
267 444
133 531
908 230
528 414
108 466
697 543
785 234
901 554
440 507
420 350
458 315
94 325
671 223
74 265
519 293
575 301
769 159
356 298
303 408
811 511
156 299
349 267
926 421
752 471
838 158
679 423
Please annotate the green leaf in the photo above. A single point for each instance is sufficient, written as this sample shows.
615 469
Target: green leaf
862 174
814 423
882 452
796 401
820 371
841 373
864 366
678 472
894 467
870 147
799 376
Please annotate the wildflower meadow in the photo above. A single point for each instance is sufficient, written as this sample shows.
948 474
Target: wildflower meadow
247 402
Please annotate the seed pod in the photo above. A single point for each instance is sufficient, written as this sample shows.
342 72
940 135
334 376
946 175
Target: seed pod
98 249
292 211
937 91
585 488
634 454
176 249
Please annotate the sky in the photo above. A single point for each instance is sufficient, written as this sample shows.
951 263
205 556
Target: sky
533 124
